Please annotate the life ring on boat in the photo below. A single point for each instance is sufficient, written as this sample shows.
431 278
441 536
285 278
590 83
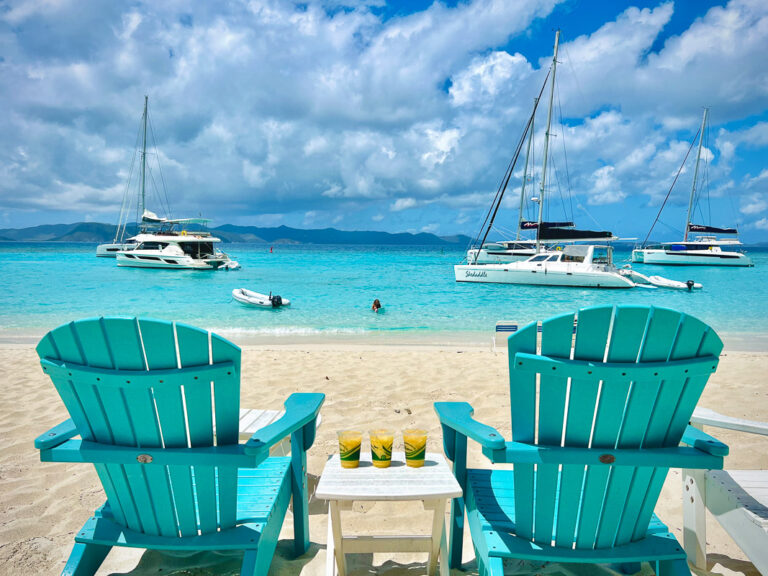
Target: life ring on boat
183 232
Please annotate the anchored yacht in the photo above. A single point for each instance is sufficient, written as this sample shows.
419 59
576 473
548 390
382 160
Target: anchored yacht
589 266
706 249
173 246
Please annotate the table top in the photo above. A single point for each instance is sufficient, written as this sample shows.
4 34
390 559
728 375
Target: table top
398 482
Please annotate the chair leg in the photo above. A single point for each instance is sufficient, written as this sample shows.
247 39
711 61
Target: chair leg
495 567
677 567
85 559
299 493
480 564
695 517
256 562
456 533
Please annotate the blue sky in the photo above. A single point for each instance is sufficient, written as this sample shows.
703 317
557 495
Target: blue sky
398 116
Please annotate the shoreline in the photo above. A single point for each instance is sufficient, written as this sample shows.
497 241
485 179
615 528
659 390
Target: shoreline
748 342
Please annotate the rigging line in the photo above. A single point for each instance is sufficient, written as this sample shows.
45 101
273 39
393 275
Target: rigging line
136 148
505 230
159 167
511 166
497 197
556 178
569 60
588 213
679 171
125 208
565 155
673 228
531 214
706 175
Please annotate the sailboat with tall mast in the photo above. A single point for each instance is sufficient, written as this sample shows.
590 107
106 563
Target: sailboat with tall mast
162 242
706 249
145 219
585 265
547 233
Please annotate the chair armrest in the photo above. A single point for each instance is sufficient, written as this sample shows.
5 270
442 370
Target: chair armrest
300 410
56 435
670 457
704 442
707 417
458 416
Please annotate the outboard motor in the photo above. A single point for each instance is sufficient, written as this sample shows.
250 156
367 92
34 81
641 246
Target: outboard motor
690 284
276 301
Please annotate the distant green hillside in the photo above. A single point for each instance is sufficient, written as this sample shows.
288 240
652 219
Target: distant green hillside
96 232
284 234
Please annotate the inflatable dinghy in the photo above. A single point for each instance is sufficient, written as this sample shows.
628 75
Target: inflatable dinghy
251 298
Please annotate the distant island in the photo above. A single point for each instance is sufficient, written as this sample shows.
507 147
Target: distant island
96 232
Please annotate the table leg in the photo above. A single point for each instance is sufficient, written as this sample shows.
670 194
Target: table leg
438 530
445 569
338 541
330 551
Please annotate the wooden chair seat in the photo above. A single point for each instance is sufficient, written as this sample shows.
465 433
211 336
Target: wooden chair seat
491 495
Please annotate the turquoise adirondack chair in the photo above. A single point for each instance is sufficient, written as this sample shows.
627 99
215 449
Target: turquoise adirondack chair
156 407
597 421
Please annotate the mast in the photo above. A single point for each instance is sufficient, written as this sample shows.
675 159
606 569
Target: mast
143 161
546 141
525 174
695 174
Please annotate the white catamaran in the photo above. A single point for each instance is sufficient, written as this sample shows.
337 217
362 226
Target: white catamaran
162 242
586 265
706 249
167 243
552 233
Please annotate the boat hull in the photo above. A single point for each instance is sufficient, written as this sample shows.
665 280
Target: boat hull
690 257
138 260
501 274
111 250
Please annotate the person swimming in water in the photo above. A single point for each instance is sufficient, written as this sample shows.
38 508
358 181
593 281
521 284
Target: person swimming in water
376 305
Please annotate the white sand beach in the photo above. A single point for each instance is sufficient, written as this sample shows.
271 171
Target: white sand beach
42 505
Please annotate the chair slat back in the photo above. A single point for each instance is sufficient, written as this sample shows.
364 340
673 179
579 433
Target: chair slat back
602 506
152 384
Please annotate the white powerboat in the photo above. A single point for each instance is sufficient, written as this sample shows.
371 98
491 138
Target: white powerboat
251 298
704 250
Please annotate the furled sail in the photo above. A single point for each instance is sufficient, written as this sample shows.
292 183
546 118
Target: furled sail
527 225
573 234
710 229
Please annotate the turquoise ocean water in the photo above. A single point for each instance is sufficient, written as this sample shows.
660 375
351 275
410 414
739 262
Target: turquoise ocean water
331 289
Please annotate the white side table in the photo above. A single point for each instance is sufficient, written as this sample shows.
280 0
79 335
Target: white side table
433 484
